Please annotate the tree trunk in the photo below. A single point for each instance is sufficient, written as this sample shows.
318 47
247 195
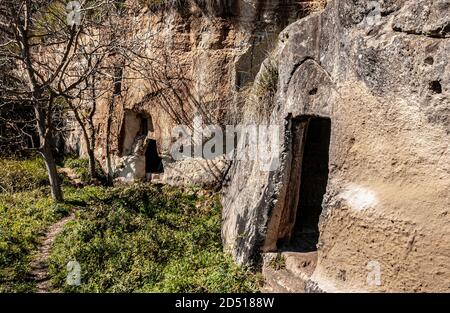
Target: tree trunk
92 165
90 144
110 173
52 173
44 129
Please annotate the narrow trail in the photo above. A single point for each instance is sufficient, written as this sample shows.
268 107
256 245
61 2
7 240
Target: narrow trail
39 265
73 177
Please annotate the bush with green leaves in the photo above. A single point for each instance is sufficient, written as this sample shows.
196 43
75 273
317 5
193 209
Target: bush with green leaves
22 175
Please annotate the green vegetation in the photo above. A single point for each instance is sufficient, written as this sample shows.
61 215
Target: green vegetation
140 238
278 263
22 175
81 168
260 96
315 5
24 216
147 238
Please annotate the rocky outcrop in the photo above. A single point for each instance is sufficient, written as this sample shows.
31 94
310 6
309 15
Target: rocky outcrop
380 72
202 52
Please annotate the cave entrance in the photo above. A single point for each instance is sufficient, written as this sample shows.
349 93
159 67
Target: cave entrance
153 162
308 183
135 129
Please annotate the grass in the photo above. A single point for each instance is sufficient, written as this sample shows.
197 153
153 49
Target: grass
24 216
147 238
81 167
140 238
267 83
154 3
259 97
22 175
26 210
315 5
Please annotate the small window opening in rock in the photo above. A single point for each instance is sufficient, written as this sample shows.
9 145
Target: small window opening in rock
153 162
436 87
313 183
429 61
143 131
313 91
118 72
135 128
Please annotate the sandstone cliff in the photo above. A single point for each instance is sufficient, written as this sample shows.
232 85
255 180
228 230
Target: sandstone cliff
201 53
377 71
383 82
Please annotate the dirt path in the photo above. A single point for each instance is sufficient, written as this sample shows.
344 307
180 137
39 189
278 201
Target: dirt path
39 265
73 177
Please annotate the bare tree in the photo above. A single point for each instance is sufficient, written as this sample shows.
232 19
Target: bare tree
50 59
104 87
83 64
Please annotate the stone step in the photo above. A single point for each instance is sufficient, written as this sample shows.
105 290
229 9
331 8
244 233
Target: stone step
300 264
287 271
281 281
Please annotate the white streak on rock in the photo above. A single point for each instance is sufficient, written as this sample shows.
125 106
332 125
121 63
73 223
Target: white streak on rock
359 198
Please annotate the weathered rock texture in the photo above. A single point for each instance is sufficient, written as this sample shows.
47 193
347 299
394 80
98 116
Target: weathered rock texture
385 85
202 52
382 79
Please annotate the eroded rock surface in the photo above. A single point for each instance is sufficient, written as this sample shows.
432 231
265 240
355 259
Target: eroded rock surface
202 52
385 84
378 70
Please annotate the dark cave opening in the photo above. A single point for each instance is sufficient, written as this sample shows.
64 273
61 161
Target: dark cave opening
436 87
313 172
153 162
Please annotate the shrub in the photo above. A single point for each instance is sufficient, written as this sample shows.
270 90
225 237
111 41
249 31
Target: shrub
267 83
206 271
22 175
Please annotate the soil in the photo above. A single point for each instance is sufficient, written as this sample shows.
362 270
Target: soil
39 264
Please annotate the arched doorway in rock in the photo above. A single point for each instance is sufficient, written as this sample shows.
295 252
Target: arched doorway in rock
135 127
138 149
293 229
299 224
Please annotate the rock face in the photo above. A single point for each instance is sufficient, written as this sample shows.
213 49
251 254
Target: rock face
380 73
201 53
360 92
